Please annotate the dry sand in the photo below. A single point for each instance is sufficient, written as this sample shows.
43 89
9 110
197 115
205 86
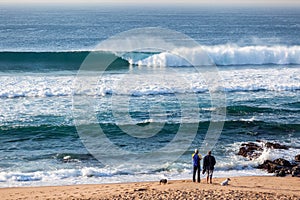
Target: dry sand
239 188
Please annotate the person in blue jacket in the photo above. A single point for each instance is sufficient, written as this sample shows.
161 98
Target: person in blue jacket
196 165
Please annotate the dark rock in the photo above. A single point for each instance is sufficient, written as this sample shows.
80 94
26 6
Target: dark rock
295 171
243 152
270 166
282 162
274 167
281 173
253 150
252 146
279 166
296 168
264 165
250 150
275 145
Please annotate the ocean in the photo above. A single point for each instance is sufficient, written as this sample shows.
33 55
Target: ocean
141 117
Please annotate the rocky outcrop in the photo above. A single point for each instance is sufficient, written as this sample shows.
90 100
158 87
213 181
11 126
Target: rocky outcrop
269 166
280 166
295 171
275 145
250 150
282 162
253 150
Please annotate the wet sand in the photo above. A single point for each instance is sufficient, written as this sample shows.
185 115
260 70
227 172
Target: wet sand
267 187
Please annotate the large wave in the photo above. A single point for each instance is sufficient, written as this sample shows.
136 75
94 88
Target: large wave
258 55
224 55
221 55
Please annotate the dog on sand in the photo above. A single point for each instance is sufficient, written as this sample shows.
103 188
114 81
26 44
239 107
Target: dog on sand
163 181
225 182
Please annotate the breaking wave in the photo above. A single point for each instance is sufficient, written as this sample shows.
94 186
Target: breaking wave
224 55
221 55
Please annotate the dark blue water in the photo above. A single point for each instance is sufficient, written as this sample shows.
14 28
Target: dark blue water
80 28
256 51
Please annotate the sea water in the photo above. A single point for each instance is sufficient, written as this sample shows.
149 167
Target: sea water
256 51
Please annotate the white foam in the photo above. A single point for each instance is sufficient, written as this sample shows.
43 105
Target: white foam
235 55
229 164
99 176
162 59
228 54
46 86
245 79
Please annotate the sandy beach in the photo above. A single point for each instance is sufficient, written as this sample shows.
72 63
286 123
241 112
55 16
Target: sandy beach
239 188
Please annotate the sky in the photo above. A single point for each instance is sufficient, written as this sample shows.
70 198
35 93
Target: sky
138 2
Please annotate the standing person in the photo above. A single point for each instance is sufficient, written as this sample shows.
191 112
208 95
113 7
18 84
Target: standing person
209 162
196 165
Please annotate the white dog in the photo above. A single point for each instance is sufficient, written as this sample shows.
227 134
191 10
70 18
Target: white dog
225 182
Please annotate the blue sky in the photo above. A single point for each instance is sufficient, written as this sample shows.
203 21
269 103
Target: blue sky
185 2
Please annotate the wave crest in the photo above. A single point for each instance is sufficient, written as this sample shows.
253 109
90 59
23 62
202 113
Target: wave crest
229 54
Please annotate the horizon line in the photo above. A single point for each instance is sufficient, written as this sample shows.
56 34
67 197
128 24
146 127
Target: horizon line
152 4
185 3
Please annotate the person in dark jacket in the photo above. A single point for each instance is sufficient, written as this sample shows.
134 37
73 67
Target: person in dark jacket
209 162
196 165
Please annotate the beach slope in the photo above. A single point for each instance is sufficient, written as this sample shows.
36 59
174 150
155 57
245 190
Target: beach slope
239 188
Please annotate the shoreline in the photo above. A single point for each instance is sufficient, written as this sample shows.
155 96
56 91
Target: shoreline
248 187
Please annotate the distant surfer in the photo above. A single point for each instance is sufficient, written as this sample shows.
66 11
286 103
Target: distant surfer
196 165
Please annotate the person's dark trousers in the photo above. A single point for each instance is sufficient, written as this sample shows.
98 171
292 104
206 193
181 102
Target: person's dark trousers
196 169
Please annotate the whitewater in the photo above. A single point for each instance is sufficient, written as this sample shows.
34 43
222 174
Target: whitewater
229 54
61 84
256 54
